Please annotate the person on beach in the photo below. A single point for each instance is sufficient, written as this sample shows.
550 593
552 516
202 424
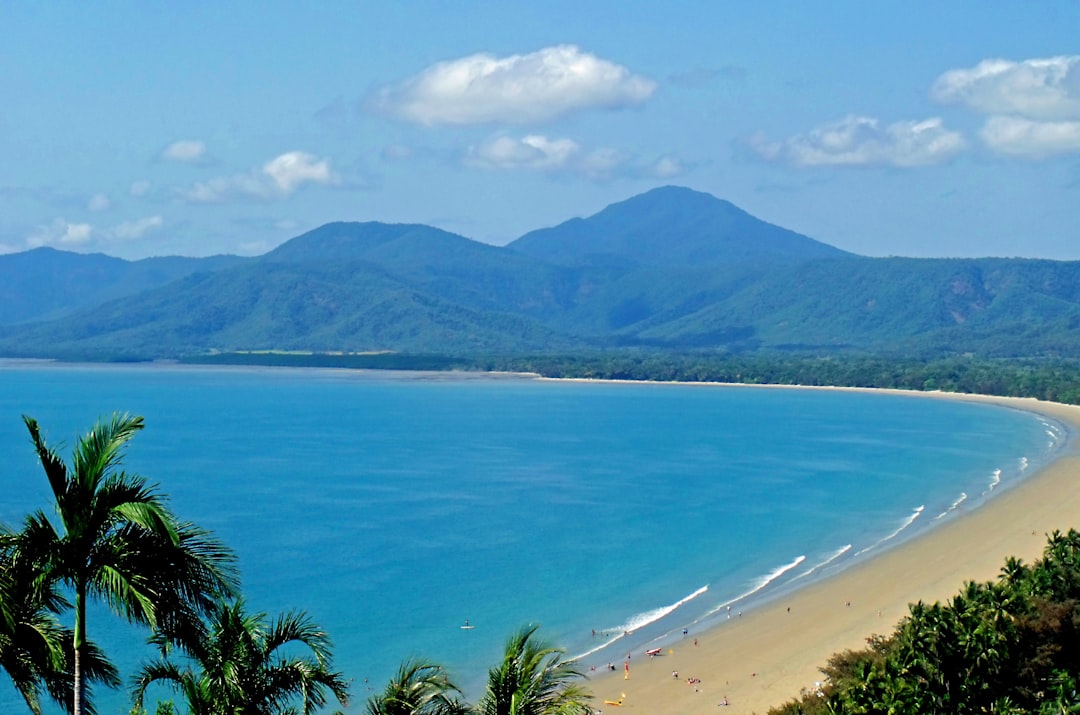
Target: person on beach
626 667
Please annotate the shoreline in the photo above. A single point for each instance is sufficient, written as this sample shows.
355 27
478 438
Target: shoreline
766 657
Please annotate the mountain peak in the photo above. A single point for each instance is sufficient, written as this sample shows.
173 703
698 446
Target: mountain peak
669 225
344 240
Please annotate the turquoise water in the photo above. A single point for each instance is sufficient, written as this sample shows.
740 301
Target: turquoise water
393 507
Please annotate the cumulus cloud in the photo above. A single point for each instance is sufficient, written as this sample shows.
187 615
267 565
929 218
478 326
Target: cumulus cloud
290 171
529 152
864 141
130 230
517 89
187 151
1034 104
535 152
667 167
277 179
601 164
67 235
1047 88
1022 137
539 153
60 233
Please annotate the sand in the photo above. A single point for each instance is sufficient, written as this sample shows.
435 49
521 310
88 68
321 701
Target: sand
767 656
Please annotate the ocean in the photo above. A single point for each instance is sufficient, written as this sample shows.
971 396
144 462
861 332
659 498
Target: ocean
394 507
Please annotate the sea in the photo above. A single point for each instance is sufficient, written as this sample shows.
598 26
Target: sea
395 508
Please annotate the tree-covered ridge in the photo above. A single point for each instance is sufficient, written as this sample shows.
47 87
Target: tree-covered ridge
672 270
1008 646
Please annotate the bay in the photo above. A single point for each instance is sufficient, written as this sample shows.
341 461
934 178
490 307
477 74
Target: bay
394 507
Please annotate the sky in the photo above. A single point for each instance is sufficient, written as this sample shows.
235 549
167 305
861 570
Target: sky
922 129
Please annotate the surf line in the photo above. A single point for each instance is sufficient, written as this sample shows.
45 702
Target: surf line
641 620
761 583
828 560
907 522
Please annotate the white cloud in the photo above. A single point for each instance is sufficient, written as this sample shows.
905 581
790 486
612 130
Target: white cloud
292 170
1029 139
277 179
130 230
66 235
1034 104
518 89
98 202
535 152
601 164
1046 88
667 167
863 141
187 151
60 233
140 188
530 152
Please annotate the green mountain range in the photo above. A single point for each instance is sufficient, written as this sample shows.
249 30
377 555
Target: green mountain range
671 269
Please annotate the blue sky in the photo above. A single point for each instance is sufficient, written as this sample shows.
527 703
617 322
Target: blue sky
883 128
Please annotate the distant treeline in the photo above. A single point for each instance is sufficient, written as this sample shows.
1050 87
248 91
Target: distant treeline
355 361
1055 380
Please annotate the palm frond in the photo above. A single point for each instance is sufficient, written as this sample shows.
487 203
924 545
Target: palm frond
101 449
55 469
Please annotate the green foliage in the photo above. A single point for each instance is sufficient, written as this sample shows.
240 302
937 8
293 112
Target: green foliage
236 662
671 270
35 649
1008 646
533 679
1054 380
418 688
117 541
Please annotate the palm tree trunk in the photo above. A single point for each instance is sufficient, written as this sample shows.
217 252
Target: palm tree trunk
80 641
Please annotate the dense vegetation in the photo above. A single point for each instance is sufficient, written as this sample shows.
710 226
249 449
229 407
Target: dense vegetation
1009 646
1054 380
115 540
672 270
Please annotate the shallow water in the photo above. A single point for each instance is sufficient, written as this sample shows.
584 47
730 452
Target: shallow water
393 507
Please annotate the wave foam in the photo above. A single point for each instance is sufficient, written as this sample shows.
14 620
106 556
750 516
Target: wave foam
954 506
828 560
761 583
907 522
641 620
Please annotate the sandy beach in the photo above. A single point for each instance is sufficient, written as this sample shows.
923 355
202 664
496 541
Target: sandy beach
766 656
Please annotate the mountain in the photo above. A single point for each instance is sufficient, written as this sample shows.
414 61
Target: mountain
671 269
669 226
46 283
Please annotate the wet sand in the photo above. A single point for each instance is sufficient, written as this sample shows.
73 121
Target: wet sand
766 656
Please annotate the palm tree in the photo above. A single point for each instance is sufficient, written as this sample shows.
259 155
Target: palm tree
235 665
35 650
533 679
418 688
118 542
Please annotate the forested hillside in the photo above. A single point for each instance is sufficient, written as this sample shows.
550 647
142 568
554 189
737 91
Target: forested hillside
670 270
